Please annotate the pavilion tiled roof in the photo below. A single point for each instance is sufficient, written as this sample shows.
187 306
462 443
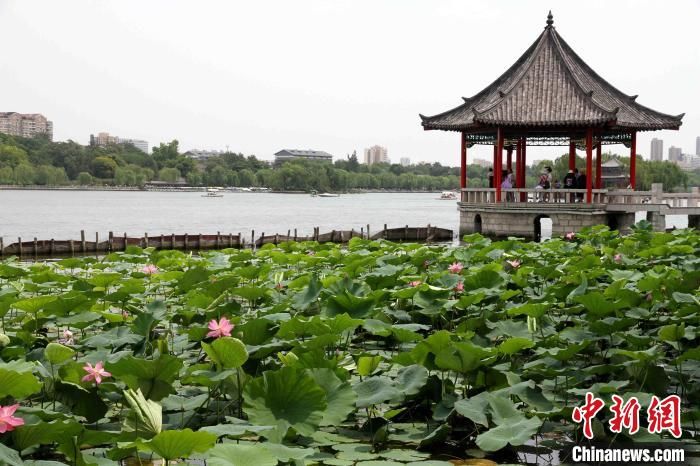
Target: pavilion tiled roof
551 86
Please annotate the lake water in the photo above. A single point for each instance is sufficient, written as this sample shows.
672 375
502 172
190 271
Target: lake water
62 214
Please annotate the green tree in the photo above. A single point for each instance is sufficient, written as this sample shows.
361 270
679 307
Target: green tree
84 179
24 174
104 167
11 156
169 174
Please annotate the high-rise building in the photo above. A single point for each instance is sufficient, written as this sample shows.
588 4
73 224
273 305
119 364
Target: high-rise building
26 125
105 139
376 154
405 161
697 145
657 150
675 154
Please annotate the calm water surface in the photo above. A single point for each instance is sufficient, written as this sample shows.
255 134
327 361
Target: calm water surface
62 214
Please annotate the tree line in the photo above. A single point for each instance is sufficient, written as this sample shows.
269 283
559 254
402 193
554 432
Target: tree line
38 161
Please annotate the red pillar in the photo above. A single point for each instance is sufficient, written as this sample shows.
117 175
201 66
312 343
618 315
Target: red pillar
572 155
463 171
598 166
509 159
589 165
633 160
498 175
518 161
523 164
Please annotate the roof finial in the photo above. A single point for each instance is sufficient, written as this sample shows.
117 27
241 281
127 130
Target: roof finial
550 19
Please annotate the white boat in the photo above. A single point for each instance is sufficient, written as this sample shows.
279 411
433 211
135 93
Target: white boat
212 192
448 195
328 195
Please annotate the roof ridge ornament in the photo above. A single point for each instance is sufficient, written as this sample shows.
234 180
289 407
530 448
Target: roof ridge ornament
550 20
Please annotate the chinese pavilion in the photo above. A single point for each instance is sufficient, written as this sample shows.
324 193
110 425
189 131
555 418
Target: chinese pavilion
549 97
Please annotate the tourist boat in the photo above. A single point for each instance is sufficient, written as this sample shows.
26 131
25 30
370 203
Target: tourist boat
328 195
448 195
212 192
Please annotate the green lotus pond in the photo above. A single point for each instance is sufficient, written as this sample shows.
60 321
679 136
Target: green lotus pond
372 354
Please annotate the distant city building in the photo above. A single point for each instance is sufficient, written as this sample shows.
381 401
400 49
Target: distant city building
481 162
199 154
286 155
675 154
688 162
657 150
105 139
697 145
376 154
405 161
26 125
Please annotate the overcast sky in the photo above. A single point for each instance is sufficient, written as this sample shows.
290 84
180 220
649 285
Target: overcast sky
259 76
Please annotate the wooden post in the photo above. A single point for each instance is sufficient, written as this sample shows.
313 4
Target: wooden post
97 241
277 239
172 241
230 239
262 239
252 239
19 245
295 234
427 234
405 233
589 164
385 232
342 240
186 241
145 239
368 235
110 240
2 248
633 160
362 232
598 166
72 247
35 246
82 240
498 173
463 159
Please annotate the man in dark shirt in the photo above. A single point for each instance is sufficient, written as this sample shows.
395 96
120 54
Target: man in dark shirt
570 183
490 177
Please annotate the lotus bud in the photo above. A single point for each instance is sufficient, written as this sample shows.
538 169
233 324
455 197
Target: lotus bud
4 340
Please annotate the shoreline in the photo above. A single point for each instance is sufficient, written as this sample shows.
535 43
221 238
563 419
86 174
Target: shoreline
190 189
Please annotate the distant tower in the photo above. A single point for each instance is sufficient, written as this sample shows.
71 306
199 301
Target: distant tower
657 150
675 154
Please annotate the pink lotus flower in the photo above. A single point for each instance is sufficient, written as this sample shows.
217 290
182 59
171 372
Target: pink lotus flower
459 287
618 258
222 328
279 286
125 314
67 338
414 283
515 263
649 296
570 235
456 267
95 373
150 269
7 421
311 253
